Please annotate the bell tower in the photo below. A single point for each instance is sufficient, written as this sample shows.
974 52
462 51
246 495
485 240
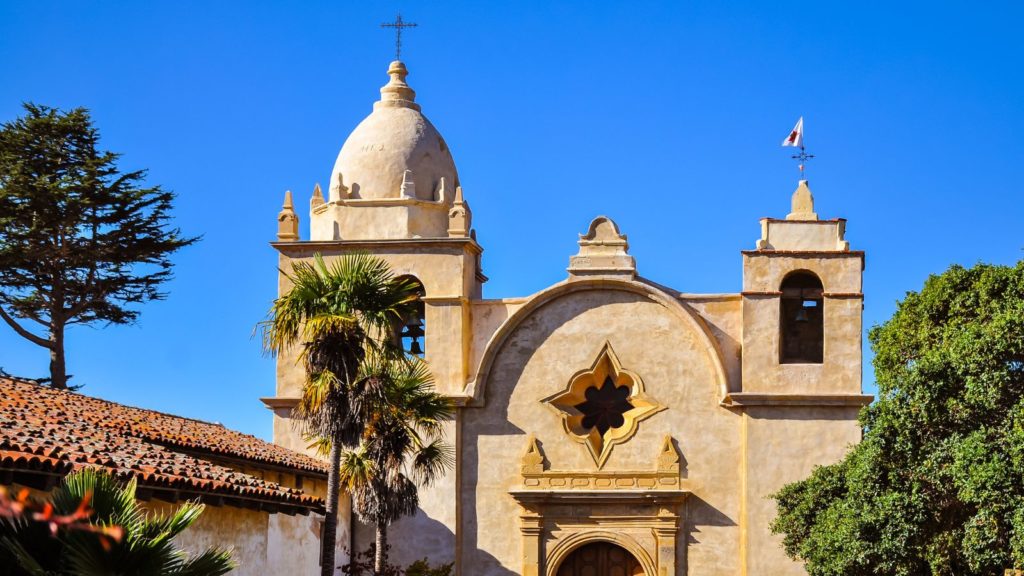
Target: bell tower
802 305
395 193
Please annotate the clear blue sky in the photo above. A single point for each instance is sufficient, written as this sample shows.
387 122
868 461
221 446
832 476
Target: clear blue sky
665 116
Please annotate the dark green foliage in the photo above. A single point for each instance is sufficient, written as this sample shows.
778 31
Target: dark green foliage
362 565
334 315
80 241
402 444
936 488
144 545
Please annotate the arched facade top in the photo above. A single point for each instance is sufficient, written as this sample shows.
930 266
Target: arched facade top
476 389
570 544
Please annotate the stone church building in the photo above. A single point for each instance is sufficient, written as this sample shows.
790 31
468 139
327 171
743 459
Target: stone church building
607 424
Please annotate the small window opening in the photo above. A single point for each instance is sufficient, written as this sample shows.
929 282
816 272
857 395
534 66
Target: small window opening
411 331
802 320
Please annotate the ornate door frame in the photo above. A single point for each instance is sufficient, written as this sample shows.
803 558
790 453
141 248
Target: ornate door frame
563 510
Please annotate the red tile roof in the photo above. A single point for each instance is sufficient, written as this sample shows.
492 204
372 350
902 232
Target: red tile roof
51 431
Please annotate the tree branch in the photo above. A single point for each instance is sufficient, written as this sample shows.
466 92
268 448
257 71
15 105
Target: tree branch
24 333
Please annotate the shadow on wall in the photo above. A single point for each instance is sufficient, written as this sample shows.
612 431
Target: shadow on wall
411 538
698 513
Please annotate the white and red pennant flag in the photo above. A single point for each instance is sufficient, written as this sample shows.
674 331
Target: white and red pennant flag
796 137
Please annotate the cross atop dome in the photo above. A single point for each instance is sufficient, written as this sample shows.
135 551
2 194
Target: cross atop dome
398 25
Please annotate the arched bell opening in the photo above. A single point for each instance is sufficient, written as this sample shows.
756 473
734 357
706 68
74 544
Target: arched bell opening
600 559
411 331
802 319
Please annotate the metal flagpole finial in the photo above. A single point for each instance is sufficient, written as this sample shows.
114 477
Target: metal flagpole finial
398 25
796 139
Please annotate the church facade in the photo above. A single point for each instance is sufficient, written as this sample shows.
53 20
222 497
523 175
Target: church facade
607 424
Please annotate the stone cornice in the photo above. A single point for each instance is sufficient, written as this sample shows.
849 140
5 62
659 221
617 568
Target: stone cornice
805 253
601 496
746 399
290 248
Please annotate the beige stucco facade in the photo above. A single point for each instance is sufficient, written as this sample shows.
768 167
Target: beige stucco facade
714 420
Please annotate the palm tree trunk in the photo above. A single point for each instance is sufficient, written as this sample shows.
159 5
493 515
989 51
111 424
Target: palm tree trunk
327 544
381 557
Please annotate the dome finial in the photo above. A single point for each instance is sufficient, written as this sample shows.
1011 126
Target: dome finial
396 92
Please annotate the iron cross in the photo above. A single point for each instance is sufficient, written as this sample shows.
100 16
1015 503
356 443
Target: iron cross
398 25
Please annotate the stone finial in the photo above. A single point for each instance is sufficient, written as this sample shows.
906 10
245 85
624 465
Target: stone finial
441 190
318 197
803 203
408 189
396 92
668 456
532 460
460 218
603 251
339 191
287 221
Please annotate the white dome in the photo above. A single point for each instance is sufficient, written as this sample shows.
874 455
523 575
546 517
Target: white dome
394 146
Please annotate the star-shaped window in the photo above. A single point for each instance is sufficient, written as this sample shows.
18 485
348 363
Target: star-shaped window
602 405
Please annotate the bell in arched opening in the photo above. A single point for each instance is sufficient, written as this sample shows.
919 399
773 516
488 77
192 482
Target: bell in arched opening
801 319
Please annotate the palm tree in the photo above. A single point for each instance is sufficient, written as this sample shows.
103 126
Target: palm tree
402 444
336 313
115 537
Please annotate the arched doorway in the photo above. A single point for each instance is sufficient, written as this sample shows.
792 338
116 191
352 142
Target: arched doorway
600 559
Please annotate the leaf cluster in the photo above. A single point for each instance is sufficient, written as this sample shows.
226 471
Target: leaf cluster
145 545
936 487
335 314
362 565
402 443
80 240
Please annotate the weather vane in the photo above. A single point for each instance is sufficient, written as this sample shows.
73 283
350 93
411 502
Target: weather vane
796 139
398 25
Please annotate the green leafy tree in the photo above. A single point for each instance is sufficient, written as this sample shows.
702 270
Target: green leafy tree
123 540
80 241
402 444
334 314
936 487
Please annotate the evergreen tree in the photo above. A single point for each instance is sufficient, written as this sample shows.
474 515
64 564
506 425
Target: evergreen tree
80 241
936 487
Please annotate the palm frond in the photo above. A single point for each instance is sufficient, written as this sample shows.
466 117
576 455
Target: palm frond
212 562
431 461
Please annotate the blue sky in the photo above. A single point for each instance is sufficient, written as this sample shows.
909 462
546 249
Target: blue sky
666 116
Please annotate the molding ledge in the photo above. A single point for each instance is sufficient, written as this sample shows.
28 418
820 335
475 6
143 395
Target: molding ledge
745 399
280 406
598 496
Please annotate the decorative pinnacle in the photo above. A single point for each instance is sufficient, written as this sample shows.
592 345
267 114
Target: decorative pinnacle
396 92
318 197
287 221
398 25
802 203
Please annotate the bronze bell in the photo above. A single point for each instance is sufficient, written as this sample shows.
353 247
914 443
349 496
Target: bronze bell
414 330
801 315
414 348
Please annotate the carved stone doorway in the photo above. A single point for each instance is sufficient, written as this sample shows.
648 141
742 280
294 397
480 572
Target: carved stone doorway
600 559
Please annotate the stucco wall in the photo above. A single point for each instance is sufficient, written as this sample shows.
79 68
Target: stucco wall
538 359
261 543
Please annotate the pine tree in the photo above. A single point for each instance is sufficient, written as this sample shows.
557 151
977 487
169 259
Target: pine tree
80 241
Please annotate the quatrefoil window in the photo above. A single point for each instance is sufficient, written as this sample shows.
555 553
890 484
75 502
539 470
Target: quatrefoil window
603 405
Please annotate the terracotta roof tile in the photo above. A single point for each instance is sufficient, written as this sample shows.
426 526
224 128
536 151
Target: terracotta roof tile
47 430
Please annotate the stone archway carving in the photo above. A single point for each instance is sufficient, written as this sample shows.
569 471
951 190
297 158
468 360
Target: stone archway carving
566 547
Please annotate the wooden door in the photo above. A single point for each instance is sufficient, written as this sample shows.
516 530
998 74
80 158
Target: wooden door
600 559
